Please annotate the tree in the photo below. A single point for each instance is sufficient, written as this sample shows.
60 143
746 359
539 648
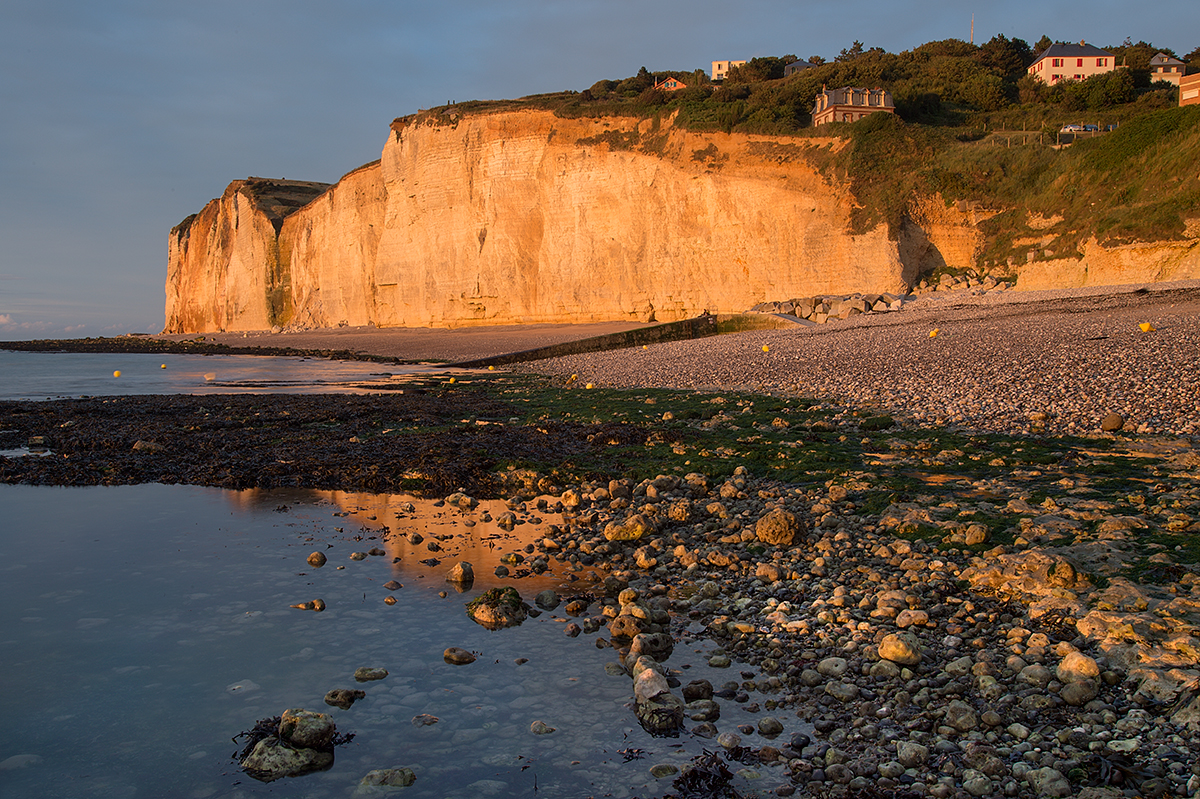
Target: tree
1137 56
601 88
1031 90
637 84
1113 88
985 92
652 96
1041 44
1008 58
1193 58
818 60
756 69
854 52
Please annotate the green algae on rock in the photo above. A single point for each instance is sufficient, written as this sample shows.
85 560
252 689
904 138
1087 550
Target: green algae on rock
497 608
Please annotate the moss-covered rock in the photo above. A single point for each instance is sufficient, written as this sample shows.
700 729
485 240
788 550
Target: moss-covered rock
497 608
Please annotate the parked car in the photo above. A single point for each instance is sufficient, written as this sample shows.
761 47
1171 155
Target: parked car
1076 127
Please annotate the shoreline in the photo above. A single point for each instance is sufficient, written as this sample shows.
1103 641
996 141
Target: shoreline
957 610
941 607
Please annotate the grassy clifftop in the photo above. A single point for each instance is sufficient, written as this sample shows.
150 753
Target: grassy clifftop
970 126
1135 183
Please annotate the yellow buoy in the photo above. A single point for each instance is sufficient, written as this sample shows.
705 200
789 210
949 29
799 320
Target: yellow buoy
766 348
491 368
1146 327
117 373
645 347
452 380
934 332
589 385
163 366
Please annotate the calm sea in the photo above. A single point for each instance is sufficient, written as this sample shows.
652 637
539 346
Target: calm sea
52 375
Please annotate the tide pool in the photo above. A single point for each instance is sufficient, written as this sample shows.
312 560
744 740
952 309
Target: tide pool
147 625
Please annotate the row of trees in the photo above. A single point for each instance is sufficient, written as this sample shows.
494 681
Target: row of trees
939 82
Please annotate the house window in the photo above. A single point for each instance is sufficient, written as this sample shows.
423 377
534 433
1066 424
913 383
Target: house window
1101 62
1079 62
1056 62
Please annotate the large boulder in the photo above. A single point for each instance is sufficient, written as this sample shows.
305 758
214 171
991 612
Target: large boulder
777 527
272 759
306 728
625 627
300 744
462 572
901 648
1077 667
343 697
630 529
497 608
656 645
658 710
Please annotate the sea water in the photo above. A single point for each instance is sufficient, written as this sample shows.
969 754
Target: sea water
55 375
147 625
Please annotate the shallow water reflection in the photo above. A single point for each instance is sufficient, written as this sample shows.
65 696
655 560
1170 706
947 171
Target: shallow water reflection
146 625
45 375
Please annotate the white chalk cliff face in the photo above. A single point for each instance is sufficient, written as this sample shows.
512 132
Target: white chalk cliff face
524 217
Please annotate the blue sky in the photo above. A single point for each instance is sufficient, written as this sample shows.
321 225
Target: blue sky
118 118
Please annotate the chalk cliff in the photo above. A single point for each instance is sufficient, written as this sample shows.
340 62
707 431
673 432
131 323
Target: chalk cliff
525 217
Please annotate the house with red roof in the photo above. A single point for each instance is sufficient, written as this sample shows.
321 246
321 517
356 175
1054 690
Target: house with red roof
670 85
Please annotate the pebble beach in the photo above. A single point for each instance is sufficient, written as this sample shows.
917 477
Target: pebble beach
1061 360
996 593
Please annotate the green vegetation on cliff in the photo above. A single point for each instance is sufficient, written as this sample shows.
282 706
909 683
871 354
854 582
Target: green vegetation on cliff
970 126
1135 183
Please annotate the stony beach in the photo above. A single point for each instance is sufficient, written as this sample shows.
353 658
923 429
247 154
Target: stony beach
990 361
921 543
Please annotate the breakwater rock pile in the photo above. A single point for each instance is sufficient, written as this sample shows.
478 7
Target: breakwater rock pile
821 309
843 306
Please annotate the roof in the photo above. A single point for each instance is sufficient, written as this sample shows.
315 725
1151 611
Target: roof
796 66
844 89
1081 50
1163 59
